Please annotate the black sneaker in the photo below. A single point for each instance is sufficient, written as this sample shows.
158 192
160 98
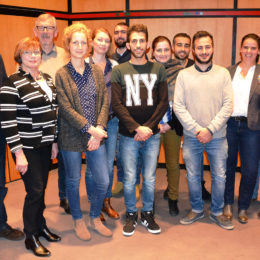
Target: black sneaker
147 220
130 224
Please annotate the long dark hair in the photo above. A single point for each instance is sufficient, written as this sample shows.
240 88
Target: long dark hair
252 36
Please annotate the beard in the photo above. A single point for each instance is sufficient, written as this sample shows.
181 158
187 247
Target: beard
141 55
120 44
180 58
201 61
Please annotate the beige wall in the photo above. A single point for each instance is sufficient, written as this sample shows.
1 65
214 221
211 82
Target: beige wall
14 28
248 4
58 5
216 26
97 5
179 4
243 25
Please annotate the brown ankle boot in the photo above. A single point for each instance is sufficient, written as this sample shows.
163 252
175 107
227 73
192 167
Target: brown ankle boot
97 225
81 230
107 208
102 218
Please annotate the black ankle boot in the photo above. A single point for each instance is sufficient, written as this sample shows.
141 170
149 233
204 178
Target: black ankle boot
165 194
205 194
48 235
173 207
35 245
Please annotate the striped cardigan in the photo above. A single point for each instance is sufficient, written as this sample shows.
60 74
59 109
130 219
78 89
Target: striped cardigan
28 117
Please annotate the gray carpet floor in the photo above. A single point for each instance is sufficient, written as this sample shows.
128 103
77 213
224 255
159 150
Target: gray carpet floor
201 240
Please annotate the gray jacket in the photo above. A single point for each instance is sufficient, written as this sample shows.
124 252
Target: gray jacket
71 117
253 115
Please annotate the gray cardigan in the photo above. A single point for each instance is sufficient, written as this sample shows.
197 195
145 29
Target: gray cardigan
253 114
71 117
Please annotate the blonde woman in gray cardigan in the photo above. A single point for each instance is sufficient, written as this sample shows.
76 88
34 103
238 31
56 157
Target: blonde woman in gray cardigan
83 114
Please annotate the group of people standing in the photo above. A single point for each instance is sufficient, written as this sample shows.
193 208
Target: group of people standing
99 105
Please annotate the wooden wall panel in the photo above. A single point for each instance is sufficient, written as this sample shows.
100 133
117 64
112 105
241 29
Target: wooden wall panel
14 28
58 5
11 173
248 4
243 25
180 4
108 24
217 27
97 5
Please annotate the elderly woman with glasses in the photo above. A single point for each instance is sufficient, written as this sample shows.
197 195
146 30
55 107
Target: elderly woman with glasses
28 120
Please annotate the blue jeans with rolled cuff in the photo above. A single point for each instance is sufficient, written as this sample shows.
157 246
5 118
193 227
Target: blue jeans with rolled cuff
97 162
216 150
130 151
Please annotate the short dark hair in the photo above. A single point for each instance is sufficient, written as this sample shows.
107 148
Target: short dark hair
137 28
184 35
201 34
122 24
252 36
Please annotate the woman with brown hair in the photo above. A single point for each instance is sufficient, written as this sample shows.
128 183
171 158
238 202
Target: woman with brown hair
243 127
101 49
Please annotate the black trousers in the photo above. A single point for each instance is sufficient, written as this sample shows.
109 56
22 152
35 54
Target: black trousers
35 181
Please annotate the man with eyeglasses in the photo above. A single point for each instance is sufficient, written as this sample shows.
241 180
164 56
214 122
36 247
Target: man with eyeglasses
53 58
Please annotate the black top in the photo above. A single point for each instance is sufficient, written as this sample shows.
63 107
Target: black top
122 58
28 116
175 123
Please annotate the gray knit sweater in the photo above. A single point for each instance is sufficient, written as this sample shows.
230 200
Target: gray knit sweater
71 117
203 99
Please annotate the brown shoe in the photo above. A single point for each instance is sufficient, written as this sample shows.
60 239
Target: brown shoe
12 234
242 216
137 191
97 225
227 211
107 208
102 218
81 229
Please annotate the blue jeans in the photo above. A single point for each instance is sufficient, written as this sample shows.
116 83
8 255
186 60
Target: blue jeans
255 193
97 161
130 152
61 178
120 171
3 189
110 143
245 141
217 154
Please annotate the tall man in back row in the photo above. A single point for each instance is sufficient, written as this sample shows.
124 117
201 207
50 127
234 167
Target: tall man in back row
53 58
203 104
139 99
